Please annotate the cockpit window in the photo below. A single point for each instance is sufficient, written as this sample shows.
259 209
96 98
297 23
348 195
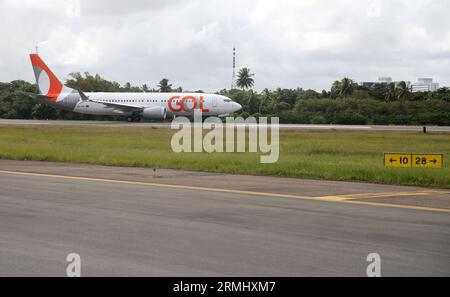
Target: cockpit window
227 100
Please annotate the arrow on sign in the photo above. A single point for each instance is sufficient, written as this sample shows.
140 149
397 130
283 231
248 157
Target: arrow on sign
434 161
392 160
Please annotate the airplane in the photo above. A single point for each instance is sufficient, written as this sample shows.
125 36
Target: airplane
134 106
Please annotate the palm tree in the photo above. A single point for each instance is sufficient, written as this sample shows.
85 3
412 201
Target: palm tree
335 89
245 80
164 86
402 91
390 92
346 87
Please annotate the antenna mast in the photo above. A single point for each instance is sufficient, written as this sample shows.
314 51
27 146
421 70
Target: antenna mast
234 68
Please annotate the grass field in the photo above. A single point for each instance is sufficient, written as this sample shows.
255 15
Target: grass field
334 155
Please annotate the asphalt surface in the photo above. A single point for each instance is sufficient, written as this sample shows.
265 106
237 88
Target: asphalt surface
125 222
282 126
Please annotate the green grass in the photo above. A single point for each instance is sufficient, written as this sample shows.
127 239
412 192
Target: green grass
334 155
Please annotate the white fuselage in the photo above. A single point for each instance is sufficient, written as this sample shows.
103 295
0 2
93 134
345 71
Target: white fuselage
182 104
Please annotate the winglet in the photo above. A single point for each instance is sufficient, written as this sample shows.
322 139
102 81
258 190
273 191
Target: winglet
83 96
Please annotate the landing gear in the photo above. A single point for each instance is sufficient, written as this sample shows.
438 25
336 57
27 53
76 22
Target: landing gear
134 118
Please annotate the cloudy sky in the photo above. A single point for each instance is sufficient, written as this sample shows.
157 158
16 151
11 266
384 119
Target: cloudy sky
306 44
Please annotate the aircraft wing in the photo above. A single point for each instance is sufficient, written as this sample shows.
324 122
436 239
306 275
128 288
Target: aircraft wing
117 106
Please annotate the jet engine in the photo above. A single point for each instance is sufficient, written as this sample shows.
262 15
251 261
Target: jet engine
154 113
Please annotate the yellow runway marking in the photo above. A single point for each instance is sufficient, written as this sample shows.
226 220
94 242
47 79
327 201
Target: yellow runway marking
158 185
340 198
333 198
399 206
380 195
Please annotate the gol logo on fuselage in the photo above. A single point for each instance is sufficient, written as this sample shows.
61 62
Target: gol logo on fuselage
187 103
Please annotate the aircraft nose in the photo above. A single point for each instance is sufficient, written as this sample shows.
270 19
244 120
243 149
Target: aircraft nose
236 106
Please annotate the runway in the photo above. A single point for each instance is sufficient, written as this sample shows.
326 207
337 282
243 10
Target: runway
166 125
130 222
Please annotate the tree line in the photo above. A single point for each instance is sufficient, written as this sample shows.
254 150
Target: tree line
345 103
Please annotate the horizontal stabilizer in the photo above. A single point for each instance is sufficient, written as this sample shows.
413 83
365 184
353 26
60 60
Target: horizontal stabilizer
39 97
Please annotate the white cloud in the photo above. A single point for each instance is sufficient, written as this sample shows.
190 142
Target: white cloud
286 43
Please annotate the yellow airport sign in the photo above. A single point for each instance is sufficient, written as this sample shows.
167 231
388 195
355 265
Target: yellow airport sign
397 160
402 160
427 160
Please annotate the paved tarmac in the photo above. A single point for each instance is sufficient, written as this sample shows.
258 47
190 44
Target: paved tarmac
282 126
128 222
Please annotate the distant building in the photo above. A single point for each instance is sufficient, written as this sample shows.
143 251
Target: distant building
381 80
424 85
367 84
385 80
